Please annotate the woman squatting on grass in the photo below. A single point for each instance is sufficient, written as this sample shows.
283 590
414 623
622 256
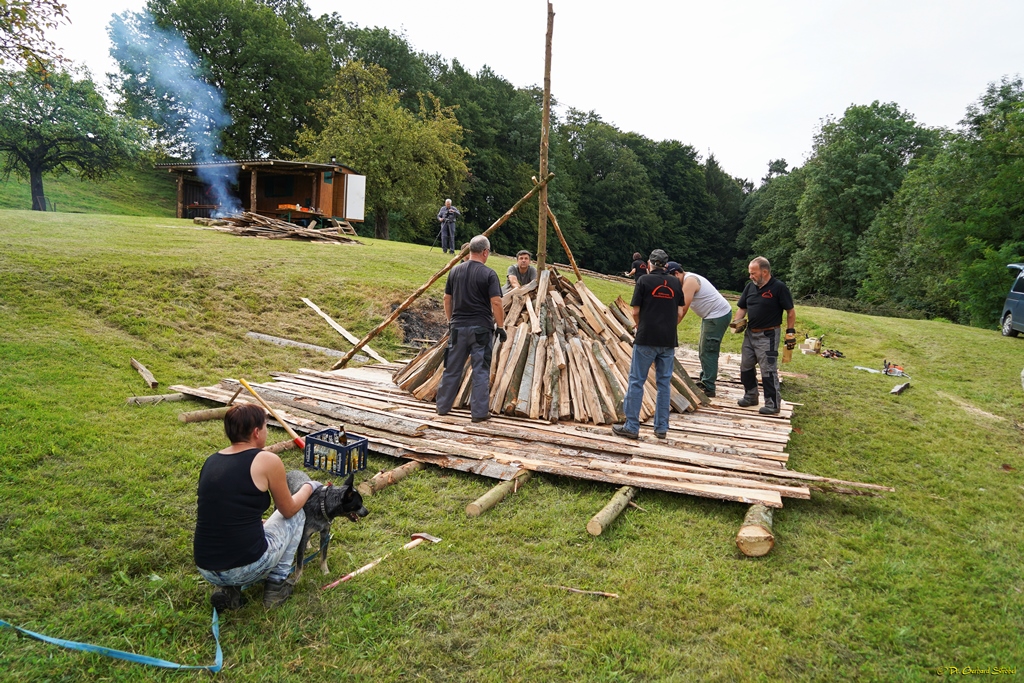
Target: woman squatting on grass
232 546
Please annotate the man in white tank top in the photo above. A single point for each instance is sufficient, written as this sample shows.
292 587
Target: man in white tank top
701 297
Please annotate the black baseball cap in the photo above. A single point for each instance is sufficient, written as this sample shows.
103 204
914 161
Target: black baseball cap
658 256
673 267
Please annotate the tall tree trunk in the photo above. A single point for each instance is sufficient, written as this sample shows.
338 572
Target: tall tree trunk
36 183
380 223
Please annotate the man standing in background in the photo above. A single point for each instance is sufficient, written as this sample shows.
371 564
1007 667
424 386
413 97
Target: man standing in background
446 216
762 302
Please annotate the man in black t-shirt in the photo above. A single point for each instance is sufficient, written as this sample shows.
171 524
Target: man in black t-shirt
657 309
762 302
472 305
639 267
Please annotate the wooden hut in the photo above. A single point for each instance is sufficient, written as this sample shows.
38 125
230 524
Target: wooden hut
291 190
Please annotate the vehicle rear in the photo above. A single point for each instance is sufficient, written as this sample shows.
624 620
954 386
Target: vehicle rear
1012 320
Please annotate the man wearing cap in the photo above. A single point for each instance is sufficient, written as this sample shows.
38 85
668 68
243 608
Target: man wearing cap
702 298
520 273
472 305
657 309
762 302
446 216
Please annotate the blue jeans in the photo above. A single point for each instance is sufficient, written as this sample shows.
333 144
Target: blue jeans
643 357
283 536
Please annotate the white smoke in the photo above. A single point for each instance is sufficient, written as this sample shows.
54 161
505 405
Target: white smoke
160 63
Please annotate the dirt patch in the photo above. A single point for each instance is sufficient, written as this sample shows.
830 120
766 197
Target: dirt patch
423 320
968 408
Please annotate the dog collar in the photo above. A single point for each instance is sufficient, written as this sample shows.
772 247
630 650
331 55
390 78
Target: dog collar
323 503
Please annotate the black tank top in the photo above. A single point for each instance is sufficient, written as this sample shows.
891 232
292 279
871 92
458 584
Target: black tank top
229 523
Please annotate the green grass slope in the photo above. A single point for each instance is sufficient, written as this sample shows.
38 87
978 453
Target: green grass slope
99 497
142 191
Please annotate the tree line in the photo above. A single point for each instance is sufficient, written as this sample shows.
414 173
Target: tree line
886 211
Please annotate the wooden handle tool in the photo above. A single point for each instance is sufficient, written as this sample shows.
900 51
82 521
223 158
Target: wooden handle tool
299 441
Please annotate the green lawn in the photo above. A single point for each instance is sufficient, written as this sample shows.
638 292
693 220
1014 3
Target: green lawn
142 191
99 497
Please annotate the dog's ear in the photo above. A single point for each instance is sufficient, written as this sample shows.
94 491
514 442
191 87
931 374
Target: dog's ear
351 478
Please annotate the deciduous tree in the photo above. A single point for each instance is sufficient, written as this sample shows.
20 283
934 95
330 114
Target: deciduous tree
23 26
53 122
409 159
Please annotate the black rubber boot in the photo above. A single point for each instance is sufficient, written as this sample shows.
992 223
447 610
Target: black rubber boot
750 395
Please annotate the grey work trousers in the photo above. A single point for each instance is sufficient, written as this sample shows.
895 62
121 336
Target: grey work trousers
474 343
761 348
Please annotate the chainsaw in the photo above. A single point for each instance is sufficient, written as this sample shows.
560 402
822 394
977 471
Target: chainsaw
893 370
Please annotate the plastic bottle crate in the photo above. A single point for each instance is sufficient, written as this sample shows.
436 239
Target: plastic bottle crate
325 452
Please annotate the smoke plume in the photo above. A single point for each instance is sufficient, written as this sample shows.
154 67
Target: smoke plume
161 75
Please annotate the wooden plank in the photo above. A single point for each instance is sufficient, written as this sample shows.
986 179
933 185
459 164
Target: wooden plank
539 367
147 376
344 333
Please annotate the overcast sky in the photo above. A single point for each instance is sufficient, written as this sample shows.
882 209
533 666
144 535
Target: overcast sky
746 80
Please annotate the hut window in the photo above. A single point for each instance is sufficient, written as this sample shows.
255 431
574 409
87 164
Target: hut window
279 186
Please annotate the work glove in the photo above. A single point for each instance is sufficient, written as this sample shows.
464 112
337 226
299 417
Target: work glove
790 338
737 326
315 484
501 334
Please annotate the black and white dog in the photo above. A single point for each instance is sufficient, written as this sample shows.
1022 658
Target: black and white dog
326 503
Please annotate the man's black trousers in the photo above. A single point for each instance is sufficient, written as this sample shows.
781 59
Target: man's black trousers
467 342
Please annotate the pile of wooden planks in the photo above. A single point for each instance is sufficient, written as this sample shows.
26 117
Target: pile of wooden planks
722 451
254 225
567 357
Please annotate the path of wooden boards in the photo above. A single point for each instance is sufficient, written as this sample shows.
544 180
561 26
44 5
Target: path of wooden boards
720 451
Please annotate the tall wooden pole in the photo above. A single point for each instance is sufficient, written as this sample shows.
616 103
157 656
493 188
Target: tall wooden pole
545 125
451 264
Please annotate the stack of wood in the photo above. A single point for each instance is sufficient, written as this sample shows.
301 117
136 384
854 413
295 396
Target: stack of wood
721 451
254 225
567 357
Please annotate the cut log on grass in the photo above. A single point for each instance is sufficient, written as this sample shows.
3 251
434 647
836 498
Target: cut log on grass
385 479
755 538
497 494
434 278
203 415
147 376
603 519
281 341
158 398
281 446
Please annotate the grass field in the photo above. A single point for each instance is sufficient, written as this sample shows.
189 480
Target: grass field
99 497
142 191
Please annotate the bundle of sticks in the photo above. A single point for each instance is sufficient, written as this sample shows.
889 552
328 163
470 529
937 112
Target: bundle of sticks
254 225
567 357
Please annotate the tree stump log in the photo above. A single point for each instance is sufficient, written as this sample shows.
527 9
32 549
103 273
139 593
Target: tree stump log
204 415
755 537
496 494
386 479
603 519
